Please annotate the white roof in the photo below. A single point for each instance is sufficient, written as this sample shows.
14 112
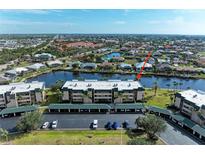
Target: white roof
197 97
20 69
21 87
102 85
55 62
43 54
147 65
36 66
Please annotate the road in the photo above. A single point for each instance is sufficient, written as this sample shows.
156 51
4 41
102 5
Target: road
172 136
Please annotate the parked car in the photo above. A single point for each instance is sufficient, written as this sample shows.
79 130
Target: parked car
54 124
115 125
95 124
125 124
108 126
45 125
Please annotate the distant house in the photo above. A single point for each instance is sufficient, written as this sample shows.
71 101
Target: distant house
176 60
106 66
151 61
36 67
164 67
74 64
162 61
88 66
118 59
102 50
125 66
133 52
11 73
55 63
157 53
147 67
43 57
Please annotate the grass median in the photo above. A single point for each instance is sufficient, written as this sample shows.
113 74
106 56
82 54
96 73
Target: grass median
75 137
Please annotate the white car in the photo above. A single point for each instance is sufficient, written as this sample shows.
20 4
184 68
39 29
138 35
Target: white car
54 124
45 125
95 124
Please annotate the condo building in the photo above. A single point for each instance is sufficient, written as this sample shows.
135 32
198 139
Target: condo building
192 104
94 91
19 94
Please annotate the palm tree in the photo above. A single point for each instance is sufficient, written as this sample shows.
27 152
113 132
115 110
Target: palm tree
4 133
155 87
180 85
175 85
168 85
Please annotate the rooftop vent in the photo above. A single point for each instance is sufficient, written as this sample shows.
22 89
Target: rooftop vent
89 85
194 96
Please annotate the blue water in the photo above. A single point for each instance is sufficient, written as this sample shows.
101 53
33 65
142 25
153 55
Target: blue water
111 55
52 77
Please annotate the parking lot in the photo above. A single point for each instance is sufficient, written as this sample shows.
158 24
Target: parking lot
172 135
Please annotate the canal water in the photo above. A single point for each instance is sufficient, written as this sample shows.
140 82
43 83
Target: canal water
148 82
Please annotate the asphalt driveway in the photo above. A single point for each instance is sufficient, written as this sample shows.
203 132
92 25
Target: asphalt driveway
172 136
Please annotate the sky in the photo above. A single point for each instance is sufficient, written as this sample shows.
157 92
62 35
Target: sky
190 22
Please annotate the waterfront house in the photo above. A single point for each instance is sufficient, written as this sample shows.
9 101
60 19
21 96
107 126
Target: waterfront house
163 67
106 66
19 71
88 66
125 66
20 94
94 91
55 63
36 66
147 67
11 73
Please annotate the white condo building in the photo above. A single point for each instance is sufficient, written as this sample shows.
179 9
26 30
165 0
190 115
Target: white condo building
192 104
19 94
111 91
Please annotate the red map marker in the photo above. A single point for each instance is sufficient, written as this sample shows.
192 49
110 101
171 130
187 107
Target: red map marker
142 68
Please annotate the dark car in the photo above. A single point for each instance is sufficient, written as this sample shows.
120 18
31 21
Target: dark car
108 126
125 124
115 125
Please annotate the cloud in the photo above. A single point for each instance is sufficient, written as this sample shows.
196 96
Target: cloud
120 22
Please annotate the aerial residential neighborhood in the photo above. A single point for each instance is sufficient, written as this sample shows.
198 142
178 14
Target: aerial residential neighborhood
134 88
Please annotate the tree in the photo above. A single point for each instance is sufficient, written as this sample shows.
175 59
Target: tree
155 88
57 86
4 134
151 125
168 85
29 121
180 84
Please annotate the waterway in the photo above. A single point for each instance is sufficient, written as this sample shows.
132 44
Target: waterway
147 81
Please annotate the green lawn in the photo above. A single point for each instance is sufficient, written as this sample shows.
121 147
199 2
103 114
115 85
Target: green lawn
162 98
73 137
